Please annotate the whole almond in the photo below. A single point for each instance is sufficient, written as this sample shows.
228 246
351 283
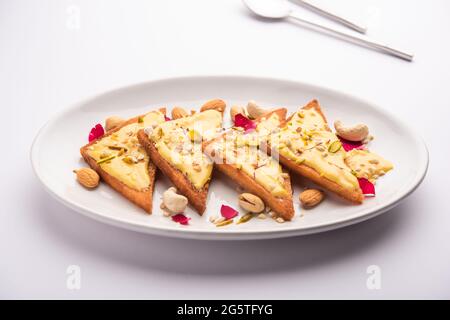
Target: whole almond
178 113
216 104
113 122
87 177
311 198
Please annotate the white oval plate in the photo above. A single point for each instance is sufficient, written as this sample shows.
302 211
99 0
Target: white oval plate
55 153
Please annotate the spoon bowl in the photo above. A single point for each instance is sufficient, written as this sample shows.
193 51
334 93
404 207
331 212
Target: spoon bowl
269 9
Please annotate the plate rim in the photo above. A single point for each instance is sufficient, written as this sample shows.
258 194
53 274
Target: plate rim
192 233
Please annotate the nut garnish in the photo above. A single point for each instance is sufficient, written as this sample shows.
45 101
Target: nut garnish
368 139
335 146
196 167
87 177
219 220
105 159
357 132
178 113
251 203
130 159
113 122
173 201
311 198
279 220
255 111
245 218
224 223
216 104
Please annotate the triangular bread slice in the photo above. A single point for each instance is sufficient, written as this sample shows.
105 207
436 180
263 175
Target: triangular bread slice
175 148
239 156
122 163
307 146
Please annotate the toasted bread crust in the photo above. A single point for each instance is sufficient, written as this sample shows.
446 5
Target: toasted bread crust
142 198
282 206
197 198
281 112
313 175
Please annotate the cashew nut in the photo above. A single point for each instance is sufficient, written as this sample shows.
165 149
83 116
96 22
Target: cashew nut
173 201
254 111
357 132
235 110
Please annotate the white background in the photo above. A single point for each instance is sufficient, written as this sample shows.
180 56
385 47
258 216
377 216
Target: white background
46 65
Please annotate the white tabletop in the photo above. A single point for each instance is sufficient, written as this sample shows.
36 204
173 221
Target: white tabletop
54 53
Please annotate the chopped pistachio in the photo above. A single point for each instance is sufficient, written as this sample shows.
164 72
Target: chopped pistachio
129 159
105 159
117 147
244 218
335 146
224 223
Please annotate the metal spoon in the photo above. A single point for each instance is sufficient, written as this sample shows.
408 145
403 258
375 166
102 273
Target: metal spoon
277 9
330 15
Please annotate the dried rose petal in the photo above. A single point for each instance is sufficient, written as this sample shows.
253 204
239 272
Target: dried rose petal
367 187
350 145
181 219
228 212
167 118
242 121
96 132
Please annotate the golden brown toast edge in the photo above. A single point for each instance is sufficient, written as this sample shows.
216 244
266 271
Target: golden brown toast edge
142 198
284 207
197 198
313 175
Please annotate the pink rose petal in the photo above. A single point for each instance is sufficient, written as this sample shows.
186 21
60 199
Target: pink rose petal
242 121
181 219
367 187
228 212
96 132
350 145
167 118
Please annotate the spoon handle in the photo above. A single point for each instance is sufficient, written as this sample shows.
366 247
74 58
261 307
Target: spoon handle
331 16
355 39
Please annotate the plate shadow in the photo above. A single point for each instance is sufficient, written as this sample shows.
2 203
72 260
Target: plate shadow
225 258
